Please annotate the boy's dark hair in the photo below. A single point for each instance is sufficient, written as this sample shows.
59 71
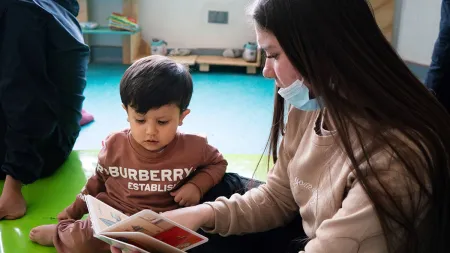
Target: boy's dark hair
155 81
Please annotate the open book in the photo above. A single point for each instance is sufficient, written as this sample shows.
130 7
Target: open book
145 231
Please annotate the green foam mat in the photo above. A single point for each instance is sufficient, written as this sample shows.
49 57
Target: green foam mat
47 197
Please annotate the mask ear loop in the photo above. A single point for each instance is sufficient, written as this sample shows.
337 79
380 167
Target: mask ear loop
303 82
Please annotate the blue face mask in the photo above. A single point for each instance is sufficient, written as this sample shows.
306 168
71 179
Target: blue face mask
297 94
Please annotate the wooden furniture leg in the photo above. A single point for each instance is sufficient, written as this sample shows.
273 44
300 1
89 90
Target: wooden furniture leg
204 67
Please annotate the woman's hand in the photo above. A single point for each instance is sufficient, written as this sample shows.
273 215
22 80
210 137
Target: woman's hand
193 217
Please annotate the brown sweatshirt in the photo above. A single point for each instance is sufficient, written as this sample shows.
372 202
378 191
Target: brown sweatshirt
130 178
313 176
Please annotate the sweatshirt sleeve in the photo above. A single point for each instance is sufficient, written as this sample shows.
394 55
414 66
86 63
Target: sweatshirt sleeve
94 185
212 171
355 228
269 206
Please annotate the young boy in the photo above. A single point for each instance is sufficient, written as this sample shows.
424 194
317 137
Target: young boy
151 165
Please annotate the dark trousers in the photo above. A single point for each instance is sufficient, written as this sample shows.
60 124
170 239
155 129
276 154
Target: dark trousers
43 64
288 239
52 152
438 79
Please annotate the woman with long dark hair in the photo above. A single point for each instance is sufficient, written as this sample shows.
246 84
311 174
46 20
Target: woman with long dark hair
364 154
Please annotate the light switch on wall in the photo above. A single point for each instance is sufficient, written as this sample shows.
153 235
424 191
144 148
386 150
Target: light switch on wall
218 17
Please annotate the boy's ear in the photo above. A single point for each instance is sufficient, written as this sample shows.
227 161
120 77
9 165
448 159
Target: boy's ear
183 115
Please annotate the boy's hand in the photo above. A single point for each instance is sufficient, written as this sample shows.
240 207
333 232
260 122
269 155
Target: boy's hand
187 195
63 216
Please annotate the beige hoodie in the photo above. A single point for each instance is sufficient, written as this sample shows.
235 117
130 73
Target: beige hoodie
313 176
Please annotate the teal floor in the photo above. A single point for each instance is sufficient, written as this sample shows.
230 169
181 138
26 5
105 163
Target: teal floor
234 110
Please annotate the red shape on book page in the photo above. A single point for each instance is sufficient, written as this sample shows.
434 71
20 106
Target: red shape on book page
178 238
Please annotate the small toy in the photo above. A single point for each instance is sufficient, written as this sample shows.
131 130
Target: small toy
159 47
88 25
249 54
232 53
179 52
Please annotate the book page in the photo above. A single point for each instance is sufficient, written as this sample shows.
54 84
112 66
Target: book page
121 244
143 228
171 232
141 241
102 215
136 223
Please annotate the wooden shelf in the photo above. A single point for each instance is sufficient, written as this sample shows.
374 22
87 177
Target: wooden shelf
107 30
188 60
206 60
220 60
133 45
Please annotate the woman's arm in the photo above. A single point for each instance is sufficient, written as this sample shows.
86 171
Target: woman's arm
268 206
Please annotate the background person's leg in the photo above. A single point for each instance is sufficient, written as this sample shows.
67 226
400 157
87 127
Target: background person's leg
278 240
2 142
22 50
55 151
12 188
438 78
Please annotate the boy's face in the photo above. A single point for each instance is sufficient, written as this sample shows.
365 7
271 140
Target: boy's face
157 128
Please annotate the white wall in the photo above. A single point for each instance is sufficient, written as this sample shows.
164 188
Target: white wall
99 11
418 29
182 23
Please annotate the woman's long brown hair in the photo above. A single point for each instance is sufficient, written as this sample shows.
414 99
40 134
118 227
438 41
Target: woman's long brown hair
337 46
